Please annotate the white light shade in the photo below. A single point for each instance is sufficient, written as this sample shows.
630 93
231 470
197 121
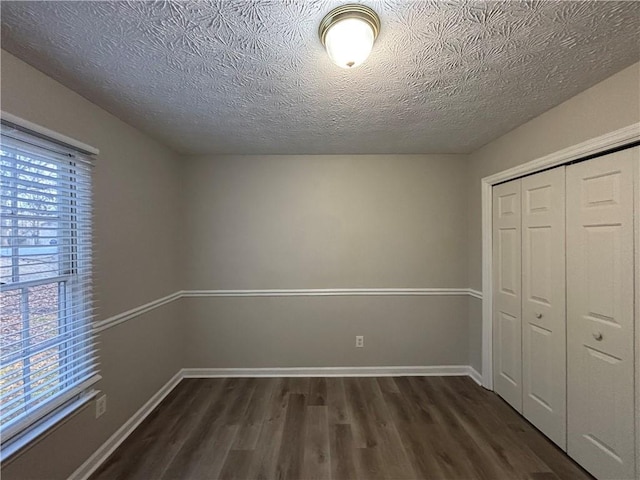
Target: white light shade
349 42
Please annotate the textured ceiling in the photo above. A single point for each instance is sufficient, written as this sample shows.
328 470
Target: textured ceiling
250 76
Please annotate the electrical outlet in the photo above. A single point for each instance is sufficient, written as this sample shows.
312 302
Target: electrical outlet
101 406
359 341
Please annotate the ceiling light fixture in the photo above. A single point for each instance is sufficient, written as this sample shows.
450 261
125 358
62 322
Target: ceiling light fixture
348 33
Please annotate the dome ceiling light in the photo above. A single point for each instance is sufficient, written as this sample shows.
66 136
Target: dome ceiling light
348 33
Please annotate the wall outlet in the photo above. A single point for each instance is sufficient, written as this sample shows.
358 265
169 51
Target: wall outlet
101 405
359 341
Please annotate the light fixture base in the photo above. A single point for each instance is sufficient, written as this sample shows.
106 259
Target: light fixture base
353 10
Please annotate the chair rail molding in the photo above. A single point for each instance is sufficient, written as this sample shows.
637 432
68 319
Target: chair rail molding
134 312
310 292
333 292
615 139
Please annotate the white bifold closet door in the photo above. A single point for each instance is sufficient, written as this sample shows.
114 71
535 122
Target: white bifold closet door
600 306
529 299
507 293
544 341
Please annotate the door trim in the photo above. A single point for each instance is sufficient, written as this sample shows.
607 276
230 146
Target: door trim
636 196
608 141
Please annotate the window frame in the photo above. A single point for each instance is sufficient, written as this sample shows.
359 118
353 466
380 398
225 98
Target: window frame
73 341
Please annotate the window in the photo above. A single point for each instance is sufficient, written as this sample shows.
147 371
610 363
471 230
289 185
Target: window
47 354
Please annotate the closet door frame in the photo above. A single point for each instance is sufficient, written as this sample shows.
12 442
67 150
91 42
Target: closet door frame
636 190
599 145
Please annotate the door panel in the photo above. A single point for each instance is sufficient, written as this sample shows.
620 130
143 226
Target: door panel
509 328
539 388
600 315
544 303
507 331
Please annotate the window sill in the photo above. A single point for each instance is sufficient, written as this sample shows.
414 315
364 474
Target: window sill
32 434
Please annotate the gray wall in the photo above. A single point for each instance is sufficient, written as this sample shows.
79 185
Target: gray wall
352 221
605 107
320 331
136 213
325 221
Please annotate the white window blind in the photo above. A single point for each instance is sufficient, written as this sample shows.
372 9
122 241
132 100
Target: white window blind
47 348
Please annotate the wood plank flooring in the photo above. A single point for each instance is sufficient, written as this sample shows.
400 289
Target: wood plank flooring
336 428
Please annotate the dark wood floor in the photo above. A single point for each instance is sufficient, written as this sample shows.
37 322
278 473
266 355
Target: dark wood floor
336 428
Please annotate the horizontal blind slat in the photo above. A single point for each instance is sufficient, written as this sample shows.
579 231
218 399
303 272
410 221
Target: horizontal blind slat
70 371
5 379
44 274
82 277
80 329
14 163
15 171
42 393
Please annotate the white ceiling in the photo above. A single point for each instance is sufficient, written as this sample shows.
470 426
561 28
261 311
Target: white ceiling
251 77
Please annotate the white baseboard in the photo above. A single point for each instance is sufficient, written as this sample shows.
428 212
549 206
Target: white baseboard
107 448
475 375
443 370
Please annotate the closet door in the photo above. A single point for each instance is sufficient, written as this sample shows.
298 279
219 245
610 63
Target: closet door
544 347
600 335
507 328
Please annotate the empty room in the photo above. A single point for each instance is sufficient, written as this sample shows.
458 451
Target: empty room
320 239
